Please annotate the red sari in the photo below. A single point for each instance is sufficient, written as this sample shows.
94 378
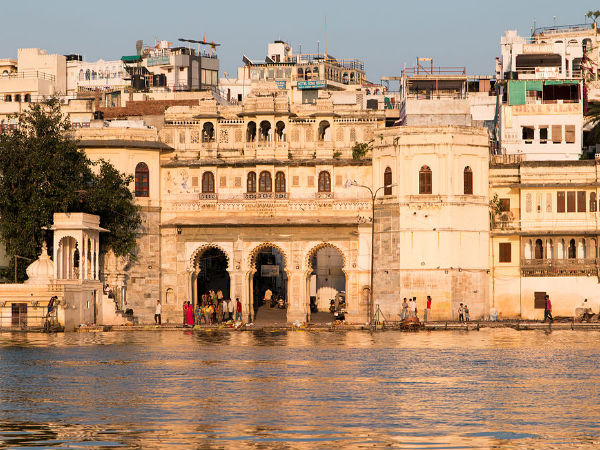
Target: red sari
189 315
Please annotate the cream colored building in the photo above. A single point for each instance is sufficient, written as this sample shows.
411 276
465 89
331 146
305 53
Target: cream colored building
544 237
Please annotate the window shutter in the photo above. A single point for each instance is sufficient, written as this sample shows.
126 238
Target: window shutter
571 201
557 134
560 201
504 250
570 134
539 300
580 201
468 184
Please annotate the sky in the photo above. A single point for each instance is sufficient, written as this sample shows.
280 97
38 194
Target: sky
385 35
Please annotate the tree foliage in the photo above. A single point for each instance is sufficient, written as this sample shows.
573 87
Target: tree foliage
360 150
43 171
592 116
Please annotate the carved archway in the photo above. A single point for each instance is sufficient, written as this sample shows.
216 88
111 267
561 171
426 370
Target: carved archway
201 249
194 269
325 285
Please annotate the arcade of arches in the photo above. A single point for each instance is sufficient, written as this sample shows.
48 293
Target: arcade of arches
303 274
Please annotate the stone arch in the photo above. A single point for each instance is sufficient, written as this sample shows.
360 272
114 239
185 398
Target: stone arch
201 249
258 248
65 265
315 248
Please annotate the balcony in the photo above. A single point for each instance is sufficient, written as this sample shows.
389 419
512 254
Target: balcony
559 267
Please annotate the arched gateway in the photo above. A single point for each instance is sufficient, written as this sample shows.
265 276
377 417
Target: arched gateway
303 274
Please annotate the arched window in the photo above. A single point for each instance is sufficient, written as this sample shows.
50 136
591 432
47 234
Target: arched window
425 186
468 181
208 132
264 182
142 180
94 75
387 181
251 132
572 251
280 131
27 98
265 131
324 131
208 183
17 97
8 98
279 182
539 249
87 74
593 204
251 183
324 181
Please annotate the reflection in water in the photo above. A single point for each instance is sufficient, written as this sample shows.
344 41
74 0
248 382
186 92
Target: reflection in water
496 388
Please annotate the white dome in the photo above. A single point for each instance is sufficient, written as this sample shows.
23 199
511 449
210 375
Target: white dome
41 271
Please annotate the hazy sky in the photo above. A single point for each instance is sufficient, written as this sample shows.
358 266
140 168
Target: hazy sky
386 35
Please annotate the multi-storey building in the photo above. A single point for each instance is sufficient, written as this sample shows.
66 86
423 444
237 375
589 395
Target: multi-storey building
544 237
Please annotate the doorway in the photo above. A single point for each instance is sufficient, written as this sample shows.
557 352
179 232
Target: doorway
211 266
269 283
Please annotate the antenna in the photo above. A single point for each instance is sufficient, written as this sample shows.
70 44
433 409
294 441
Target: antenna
326 38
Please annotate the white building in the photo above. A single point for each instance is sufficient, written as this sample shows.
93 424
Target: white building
99 75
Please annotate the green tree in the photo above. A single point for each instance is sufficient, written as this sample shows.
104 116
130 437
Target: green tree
361 149
43 171
593 15
592 117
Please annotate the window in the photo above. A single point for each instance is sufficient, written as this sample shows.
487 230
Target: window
538 203
539 249
8 98
17 97
264 182
324 131
504 252
425 180
468 181
208 183
527 134
505 204
208 132
571 201
570 134
142 184
556 134
543 134
548 202
528 203
251 132
560 201
251 183
593 204
27 98
581 201
279 182
223 182
387 181
539 300
572 251
324 181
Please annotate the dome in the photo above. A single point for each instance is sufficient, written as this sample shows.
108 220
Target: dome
41 271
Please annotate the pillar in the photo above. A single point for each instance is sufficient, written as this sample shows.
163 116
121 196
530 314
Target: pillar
84 259
298 299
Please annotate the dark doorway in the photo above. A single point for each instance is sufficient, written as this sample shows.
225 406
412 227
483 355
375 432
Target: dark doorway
19 314
212 266
269 280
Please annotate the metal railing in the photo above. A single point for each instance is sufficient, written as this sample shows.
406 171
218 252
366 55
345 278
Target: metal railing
24 316
29 74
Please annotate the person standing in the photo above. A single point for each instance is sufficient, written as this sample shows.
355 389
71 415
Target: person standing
225 309
461 312
189 315
231 308
427 309
157 313
404 314
268 296
548 309
238 310
414 307
466 312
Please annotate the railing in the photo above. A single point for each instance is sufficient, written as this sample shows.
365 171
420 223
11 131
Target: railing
324 195
412 71
29 74
22 315
559 267
207 196
561 28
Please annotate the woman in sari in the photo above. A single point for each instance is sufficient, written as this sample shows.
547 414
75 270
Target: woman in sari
189 315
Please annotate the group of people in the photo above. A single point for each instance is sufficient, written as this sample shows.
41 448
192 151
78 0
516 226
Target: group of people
212 308
463 313
409 308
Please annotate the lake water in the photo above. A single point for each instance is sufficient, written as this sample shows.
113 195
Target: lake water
494 388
